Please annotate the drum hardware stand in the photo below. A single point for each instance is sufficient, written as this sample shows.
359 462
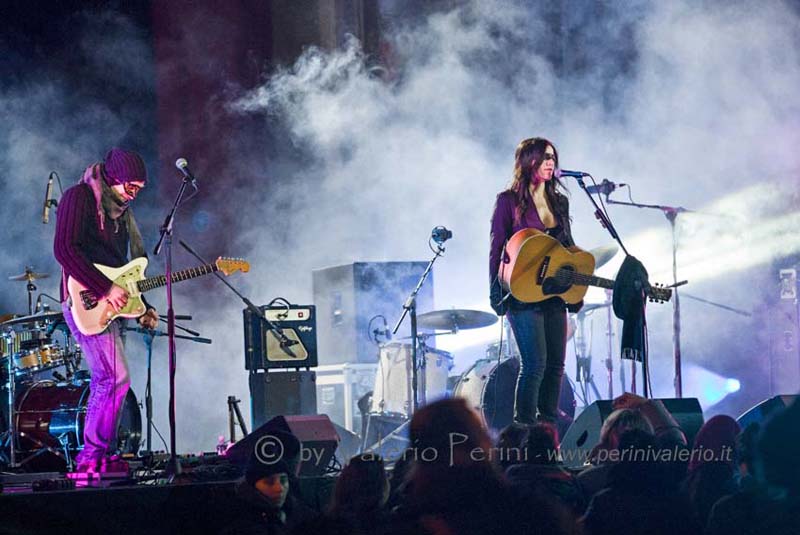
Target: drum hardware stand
233 411
583 360
610 337
10 433
149 336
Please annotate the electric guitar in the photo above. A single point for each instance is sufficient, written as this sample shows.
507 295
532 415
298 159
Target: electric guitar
92 314
537 267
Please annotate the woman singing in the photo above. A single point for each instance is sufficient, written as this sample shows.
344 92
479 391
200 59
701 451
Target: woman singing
534 200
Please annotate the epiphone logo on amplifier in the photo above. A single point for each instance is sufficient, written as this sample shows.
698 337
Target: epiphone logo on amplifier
263 349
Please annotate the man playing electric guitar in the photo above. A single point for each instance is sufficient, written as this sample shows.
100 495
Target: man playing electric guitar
95 225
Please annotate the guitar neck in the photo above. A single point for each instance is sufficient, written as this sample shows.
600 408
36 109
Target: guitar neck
591 280
152 283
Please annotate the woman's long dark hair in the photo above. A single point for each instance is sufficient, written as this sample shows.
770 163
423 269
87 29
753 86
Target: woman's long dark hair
528 158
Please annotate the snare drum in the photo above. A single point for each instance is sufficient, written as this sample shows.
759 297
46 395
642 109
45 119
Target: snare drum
392 393
38 359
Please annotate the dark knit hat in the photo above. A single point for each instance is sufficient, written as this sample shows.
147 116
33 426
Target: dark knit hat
274 453
124 166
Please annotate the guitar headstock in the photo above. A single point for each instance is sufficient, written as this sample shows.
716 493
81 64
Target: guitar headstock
659 293
232 265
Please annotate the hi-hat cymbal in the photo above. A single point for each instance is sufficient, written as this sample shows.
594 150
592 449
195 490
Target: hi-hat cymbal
45 316
603 254
455 319
29 276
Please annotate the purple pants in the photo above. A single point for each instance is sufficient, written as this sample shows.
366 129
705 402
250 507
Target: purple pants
105 356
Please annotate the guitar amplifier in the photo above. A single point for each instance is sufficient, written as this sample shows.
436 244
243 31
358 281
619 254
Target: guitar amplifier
262 351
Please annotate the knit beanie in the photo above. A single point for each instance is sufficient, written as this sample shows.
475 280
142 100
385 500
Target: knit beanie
273 453
124 166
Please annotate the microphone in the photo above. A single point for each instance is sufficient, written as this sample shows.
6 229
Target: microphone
48 193
605 187
183 167
441 234
574 174
385 332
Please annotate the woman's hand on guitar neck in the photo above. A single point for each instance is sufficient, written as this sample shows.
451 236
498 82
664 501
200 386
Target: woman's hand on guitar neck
117 297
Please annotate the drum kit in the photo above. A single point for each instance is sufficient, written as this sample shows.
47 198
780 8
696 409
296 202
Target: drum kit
44 391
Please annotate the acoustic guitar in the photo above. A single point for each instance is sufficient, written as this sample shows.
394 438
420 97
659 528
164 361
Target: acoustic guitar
536 267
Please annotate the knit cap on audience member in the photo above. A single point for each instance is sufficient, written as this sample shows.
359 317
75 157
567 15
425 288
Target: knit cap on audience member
274 453
123 166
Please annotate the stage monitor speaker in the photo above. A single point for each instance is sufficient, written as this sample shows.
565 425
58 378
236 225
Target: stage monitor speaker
317 436
348 296
584 433
282 392
763 410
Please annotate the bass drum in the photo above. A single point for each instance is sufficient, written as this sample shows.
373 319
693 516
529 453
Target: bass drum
50 418
489 387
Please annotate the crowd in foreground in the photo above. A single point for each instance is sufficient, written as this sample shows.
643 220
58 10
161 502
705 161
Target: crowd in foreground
641 478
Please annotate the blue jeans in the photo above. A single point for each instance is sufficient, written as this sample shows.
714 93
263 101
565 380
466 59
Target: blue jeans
542 340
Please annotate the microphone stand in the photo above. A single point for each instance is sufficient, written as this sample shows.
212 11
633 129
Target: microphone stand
174 467
671 213
410 306
606 223
284 342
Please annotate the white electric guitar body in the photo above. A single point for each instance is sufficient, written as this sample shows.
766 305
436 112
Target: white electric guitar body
92 314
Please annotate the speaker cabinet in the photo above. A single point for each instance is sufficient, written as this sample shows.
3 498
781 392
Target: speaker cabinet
584 433
763 410
316 434
348 296
280 393
263 350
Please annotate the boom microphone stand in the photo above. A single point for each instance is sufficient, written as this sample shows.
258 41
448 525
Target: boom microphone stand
671 213
606 223
438 235
283 341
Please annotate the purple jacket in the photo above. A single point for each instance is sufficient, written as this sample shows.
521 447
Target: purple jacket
504 226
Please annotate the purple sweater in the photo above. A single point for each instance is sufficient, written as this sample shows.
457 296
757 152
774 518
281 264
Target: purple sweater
79 242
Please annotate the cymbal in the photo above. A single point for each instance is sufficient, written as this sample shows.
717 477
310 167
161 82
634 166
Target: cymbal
46 316
603 254
455 319
29 276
